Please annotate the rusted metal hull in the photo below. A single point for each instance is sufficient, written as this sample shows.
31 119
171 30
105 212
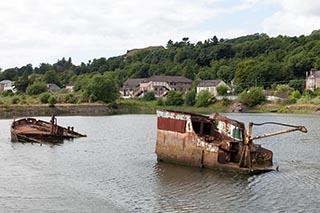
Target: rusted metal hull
201 141
39 131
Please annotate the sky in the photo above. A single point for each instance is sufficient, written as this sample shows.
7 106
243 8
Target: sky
38 31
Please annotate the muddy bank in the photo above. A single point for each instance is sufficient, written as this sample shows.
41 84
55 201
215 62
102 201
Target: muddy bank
11 111
290 108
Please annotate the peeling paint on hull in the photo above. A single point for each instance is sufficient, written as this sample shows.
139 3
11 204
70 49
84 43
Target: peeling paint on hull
210 142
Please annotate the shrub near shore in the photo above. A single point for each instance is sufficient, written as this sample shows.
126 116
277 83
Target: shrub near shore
137 106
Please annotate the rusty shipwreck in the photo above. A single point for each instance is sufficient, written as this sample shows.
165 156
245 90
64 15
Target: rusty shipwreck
39 131
215 142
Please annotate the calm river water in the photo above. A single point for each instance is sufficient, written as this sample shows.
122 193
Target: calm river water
115 169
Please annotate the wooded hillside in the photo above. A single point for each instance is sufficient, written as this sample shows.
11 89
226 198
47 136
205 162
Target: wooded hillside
252 60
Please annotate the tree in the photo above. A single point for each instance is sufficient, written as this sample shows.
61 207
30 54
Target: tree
297 84
149 96
174 98
204 99
308 94
22 83
52 101
225 73
43 68
252 97
51 76
67 77
190 98
9 74
70 98
102 88
295 95
36 88
283 91
246 74
28 68
44 97
222 90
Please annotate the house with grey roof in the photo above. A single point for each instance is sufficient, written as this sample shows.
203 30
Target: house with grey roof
160 85
7 85
130 87
211 86
53 87
313 79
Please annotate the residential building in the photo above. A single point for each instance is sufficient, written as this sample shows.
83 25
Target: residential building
53 87
70 86
211 86
131 86
160 85
313 79
7 85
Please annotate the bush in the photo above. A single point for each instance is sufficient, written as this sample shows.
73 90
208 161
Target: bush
102 88
36 88
70 99
317 91
160 102
7 93
149 96
44 97
52 101
308 94
190 98
283 91
222 90
204 98
297 84
15 100
295 95
174 98
252 97
226 102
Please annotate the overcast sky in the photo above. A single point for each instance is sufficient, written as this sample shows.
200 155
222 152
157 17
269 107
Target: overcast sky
43 31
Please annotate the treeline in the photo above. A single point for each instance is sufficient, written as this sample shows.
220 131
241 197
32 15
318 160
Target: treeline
253 60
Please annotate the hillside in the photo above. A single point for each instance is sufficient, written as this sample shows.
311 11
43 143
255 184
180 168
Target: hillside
251 60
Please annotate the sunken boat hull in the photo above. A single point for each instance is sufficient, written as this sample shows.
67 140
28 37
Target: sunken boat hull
39 131
215 142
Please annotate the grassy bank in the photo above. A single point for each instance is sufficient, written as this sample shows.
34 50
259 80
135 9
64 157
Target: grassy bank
138 106
132 106
151 106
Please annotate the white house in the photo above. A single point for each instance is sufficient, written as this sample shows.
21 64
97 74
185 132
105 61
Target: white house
7 85
211 86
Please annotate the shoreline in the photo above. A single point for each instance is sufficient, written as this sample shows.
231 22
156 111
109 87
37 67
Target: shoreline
12 111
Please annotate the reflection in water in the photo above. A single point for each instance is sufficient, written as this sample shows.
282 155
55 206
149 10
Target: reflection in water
180 186
114 169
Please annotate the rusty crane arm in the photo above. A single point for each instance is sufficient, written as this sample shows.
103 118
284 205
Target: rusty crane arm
293 128
245 159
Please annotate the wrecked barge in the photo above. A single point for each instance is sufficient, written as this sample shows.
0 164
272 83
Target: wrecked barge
215 142
39 131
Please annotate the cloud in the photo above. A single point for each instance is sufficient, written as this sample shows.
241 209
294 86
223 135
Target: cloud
33 30
36 31
295 18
